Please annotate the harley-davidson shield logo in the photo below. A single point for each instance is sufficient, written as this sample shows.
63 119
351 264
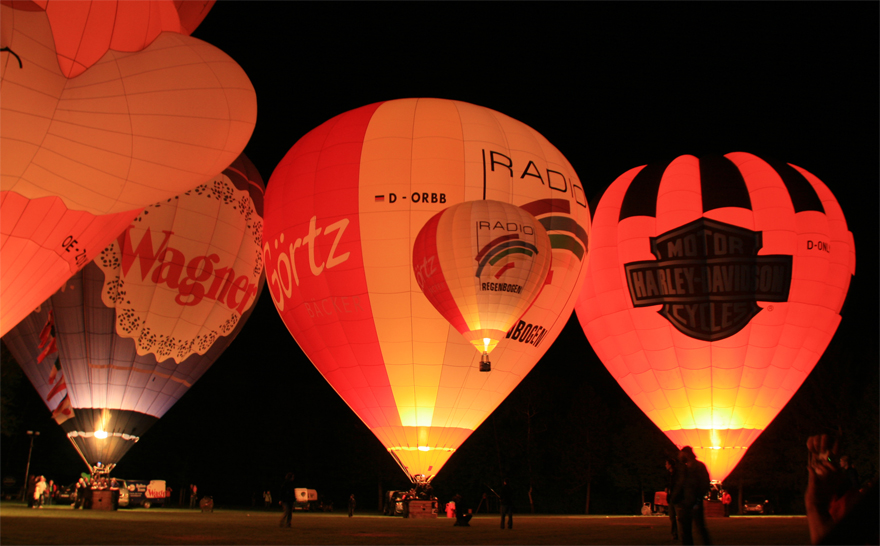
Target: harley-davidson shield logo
708 277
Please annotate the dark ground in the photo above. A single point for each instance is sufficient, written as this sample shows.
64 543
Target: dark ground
61 525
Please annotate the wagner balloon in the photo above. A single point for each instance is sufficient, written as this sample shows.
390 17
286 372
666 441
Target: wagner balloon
140 324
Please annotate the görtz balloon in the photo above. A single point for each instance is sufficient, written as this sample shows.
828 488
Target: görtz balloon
128 335
343 209
714 287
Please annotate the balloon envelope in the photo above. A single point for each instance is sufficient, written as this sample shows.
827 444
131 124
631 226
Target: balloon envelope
84 30
131 130
140 324
714 287
481 264
43 243
343 209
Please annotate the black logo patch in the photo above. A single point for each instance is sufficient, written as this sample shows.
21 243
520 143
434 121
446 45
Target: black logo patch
709 278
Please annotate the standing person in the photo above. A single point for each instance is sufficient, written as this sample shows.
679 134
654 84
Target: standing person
29 490
725 500
39 490
506 498
81 487
690 491
267 498
288 497
193 495
351 505
673 474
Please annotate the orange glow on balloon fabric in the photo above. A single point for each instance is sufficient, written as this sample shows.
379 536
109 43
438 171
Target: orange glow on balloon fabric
714 287
481 264
343 209
133 129
84 30
42 244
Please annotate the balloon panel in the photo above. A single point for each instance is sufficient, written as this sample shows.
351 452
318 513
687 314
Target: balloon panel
131 130
481 264
84 30
714 288
42 244
121 382
342 212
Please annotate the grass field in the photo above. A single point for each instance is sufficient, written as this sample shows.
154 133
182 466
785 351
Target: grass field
62 525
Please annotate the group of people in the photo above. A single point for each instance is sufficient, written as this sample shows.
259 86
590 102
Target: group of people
40 491
836 504
688 483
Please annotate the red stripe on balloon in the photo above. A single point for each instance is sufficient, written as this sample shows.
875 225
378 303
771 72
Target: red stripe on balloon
351 356
425 250
501 271
546 206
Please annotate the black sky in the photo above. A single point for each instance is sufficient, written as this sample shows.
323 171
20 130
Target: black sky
611 85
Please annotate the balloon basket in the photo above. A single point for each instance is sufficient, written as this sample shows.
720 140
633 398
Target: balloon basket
485 365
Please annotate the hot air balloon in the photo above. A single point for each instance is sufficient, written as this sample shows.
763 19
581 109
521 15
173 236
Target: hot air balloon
81 157
481 264
42 244
343 209
133 129
714 287
84 30
126 336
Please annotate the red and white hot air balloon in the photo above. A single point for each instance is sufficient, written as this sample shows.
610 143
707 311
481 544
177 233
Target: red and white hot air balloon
81 156
481 264
343 209
714 287
128 335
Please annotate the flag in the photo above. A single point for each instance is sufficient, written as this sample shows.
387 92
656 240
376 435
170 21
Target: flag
46 332
60 386
51 347
54 373
63 412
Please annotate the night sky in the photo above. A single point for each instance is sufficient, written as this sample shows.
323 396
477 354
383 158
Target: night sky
613 86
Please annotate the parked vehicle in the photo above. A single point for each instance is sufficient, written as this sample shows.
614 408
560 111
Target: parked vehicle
757 504
306 499
66 494
141 493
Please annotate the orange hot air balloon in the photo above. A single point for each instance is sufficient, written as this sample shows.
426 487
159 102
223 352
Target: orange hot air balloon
714 287
133 129
81 157
343 209
481 264
42 244
130 333
84 30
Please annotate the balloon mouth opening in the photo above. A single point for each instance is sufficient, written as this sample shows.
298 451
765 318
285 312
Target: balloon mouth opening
100 434
486 342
